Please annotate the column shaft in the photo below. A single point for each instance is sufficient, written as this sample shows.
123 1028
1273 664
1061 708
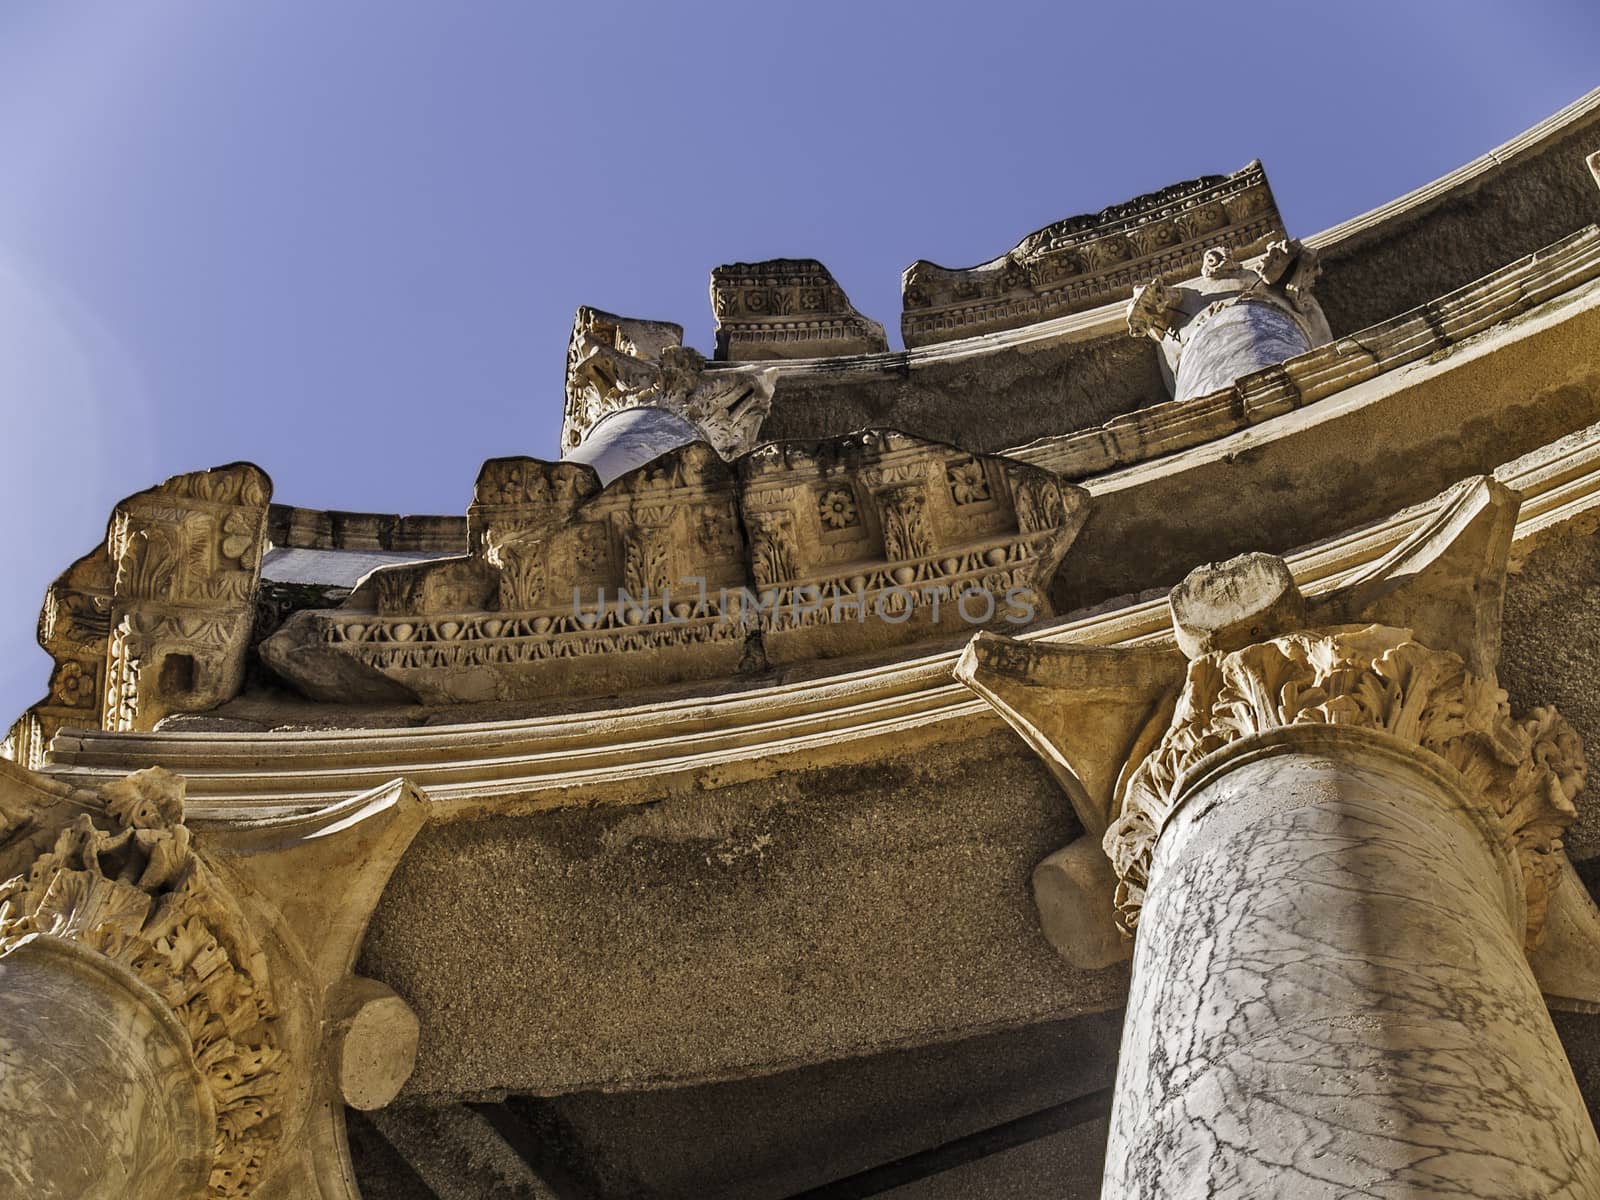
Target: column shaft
1330 994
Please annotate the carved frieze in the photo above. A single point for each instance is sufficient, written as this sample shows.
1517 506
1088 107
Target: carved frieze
158 619
582 589
616 363
687 569
888 538
1086 261
787 308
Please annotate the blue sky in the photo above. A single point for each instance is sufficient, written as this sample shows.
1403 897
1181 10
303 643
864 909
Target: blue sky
344 240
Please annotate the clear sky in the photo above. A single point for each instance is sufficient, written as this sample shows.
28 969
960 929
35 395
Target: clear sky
343 239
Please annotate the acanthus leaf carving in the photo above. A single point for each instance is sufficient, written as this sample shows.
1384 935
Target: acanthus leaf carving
616 363
1526 771
906 530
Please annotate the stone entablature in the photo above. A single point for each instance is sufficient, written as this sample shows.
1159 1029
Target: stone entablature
290 528
688 568
1086 261
158 618
1327 370
787 308
907 526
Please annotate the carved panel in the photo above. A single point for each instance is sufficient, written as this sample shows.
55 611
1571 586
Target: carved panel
158 618
787 308
811 549
1086 261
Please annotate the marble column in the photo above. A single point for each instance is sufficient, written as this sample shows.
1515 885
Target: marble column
1232 319
1330 995
1335 848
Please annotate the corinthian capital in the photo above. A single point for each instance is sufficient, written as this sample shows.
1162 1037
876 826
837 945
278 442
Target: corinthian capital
1406 650
1524 773
180 1018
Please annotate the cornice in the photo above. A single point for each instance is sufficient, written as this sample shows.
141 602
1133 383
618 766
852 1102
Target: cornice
637 754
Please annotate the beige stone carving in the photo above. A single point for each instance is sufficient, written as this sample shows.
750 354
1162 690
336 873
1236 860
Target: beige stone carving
157 619
616 363
687 569
123 880
212 1005
1085 261
1373 677
787 308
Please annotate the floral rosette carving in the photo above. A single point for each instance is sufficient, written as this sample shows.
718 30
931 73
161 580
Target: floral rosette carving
1376 677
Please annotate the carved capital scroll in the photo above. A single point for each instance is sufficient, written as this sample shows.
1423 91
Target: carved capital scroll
121 878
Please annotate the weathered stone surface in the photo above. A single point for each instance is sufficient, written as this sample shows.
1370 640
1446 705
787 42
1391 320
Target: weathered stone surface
787 308
725 934
158 618
1086 261
620 364
1512 200
98 1082
1246 599
687 569
374 1044
292 528
1304 1019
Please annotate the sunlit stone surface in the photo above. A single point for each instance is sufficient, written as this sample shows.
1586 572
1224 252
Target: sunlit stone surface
98 1090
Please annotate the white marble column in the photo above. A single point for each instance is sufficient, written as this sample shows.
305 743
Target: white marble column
1330 996
1335 848
1233 318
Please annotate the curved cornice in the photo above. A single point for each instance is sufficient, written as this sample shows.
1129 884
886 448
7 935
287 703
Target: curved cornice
1464 178
637 754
